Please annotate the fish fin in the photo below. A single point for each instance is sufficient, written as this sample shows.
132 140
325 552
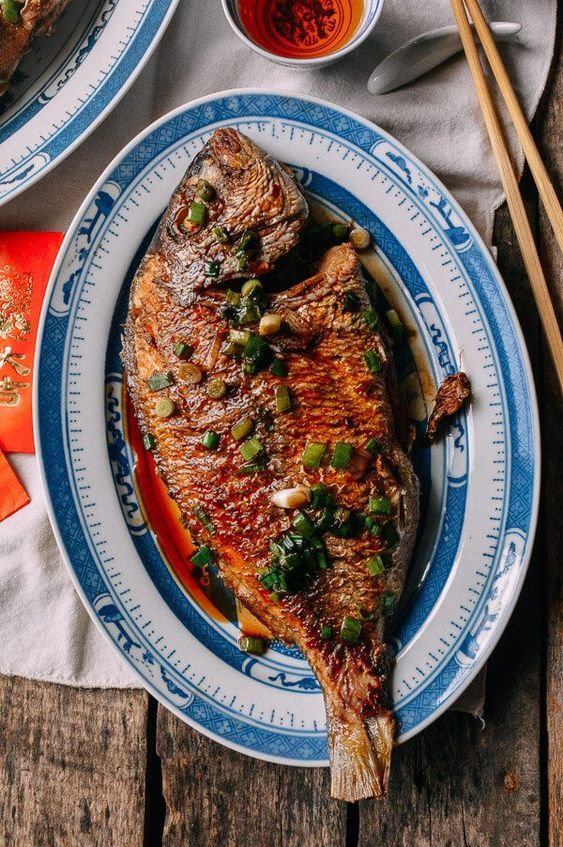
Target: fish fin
360 756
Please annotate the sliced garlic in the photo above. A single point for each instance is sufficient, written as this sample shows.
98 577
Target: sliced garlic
291 498
360 238
270 324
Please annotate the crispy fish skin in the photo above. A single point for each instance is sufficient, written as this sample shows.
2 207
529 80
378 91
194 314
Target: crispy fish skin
36 17
254 192
334 398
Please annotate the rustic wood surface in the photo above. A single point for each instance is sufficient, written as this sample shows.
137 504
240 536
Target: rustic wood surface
114 769
550 139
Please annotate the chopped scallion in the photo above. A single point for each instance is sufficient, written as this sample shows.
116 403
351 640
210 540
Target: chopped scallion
11 10
327 518
190 373
182 351
326 632
340 232
318 496
249 312
250 366
388 603
373 446
360 238
395 325
372 361
239 336
211 439
233 349
313 454
202 516
197 213
372 527
379 505
205 190
221 234
250 449
372 319
278 368
216 388
157 382
283 399
203 556
322 561
255 348
390 534
269 579
212 269
341 455
256 646
164 408
242 259
303 525
350 629
232 297
377 564
250 287
149 441
243 428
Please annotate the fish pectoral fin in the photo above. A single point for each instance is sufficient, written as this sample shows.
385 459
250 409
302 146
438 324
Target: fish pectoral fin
360 755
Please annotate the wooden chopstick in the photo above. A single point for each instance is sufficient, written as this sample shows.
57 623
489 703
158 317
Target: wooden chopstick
513 197
545 188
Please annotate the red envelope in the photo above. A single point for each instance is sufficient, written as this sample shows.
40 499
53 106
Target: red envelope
13 495
26 260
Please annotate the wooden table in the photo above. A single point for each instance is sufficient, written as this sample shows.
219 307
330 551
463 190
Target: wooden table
84 768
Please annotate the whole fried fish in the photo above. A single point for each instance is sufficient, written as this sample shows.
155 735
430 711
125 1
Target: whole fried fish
284 450
20 23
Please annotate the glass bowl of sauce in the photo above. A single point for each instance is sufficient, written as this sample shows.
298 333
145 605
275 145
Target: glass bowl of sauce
302 33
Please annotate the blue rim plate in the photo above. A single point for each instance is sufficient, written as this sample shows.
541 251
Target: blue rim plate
480 484
68 83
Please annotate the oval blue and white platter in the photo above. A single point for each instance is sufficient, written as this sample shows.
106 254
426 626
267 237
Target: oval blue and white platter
67 83
479 484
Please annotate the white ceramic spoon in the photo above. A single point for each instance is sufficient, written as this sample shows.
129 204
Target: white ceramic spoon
419 55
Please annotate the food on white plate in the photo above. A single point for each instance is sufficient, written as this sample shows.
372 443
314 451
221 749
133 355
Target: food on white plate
20 23
276 421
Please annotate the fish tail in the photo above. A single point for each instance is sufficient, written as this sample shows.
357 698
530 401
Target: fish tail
360 755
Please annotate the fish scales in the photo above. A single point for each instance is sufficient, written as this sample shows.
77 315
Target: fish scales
334 398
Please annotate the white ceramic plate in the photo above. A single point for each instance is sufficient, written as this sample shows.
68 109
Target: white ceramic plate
68 83
480 484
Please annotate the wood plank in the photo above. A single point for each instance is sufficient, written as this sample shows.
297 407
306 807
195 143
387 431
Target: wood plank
457 785
72 765
215 796
549 132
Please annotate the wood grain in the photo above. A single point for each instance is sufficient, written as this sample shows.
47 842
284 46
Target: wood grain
218 798
72 766
544 185
513 197
549 124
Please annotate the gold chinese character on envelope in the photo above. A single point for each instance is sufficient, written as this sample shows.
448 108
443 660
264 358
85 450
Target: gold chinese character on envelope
15 324
15 303
26 259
